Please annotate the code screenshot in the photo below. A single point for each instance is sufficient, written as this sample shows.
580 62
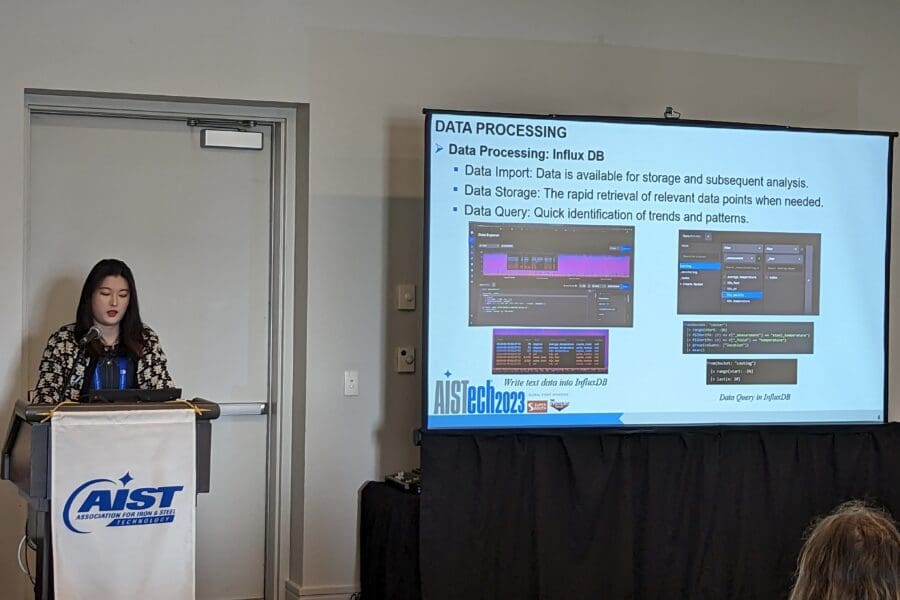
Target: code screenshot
550 275
730 272
535 351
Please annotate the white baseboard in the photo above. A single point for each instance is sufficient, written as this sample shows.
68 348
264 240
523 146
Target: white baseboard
291 591
322 592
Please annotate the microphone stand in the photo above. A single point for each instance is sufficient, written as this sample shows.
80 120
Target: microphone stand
92 334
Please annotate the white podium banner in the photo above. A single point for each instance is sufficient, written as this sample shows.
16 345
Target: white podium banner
123 503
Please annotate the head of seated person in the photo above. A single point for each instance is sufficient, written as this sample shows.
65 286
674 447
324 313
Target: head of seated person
852 554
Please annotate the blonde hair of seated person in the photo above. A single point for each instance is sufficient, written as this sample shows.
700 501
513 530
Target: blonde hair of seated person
852 554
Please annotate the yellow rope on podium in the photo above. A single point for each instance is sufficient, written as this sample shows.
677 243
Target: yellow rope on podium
197 410
56 407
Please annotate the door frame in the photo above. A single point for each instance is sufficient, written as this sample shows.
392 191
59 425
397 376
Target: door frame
283 386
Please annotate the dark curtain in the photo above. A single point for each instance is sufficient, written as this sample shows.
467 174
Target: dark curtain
697 513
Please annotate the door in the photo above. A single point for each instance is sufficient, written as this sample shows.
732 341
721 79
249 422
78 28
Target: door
195 226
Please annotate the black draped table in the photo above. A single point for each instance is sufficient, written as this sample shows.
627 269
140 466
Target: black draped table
698 513
389 543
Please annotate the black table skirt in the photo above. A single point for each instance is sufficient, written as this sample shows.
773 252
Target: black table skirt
389 543
709 513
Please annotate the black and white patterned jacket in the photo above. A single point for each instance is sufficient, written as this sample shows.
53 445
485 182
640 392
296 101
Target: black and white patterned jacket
63 358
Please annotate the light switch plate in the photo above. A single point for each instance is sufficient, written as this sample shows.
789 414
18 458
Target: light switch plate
351 383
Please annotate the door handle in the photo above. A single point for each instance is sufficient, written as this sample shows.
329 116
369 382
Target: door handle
241 409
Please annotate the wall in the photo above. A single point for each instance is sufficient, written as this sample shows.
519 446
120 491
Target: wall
367 68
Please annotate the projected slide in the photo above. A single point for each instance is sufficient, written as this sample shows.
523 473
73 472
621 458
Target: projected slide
588 272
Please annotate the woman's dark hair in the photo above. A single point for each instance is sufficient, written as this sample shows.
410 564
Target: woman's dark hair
131 328
852 554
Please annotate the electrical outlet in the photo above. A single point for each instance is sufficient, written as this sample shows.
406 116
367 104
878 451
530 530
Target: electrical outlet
406 359
406 296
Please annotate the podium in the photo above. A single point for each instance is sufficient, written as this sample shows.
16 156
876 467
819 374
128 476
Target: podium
26 462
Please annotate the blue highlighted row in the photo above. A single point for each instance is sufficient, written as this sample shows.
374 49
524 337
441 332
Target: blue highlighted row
527 420
701 266
742 295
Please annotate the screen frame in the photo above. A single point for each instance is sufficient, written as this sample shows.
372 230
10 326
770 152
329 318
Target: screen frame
429 114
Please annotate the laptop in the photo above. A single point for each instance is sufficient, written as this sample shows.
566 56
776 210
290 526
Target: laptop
130 395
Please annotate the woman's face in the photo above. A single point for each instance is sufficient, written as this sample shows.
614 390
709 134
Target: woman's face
110 300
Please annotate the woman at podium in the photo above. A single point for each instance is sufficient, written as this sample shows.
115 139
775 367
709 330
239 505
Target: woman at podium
107 347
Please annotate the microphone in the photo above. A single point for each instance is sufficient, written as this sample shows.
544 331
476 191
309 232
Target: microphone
92 334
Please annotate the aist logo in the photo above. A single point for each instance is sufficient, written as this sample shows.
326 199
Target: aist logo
450 396
103 503
457 397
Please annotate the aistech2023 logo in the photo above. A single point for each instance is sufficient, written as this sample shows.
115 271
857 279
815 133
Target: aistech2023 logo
459 397
112 503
